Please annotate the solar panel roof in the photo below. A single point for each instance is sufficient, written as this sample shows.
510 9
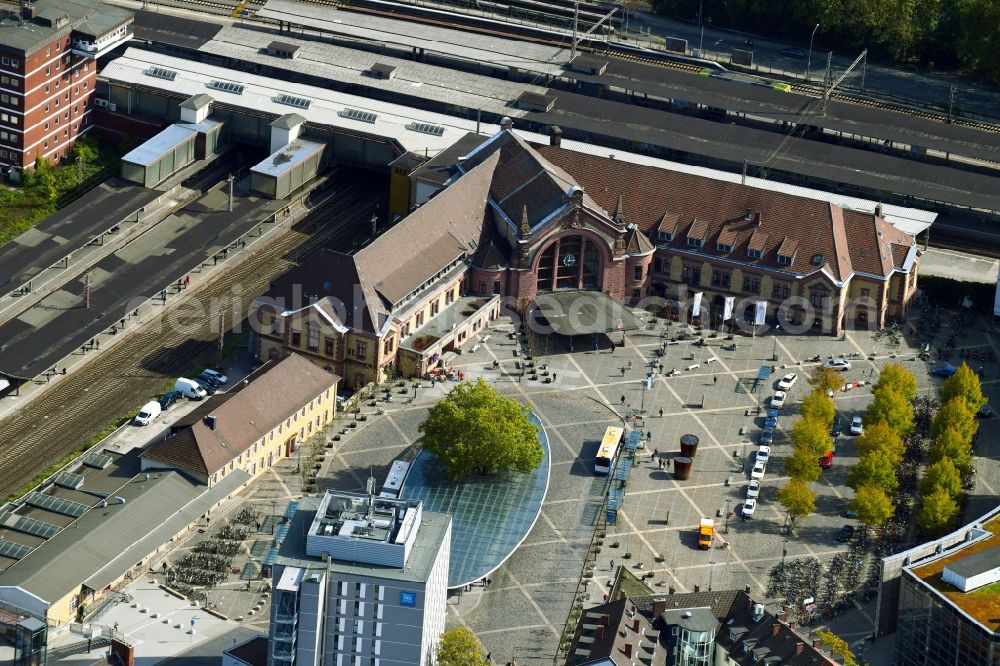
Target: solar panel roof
490 516
56 505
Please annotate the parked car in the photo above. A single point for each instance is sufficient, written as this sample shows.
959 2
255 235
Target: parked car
758 471
985 412
846 534
753 488
169 398
771 422
204 379
148 412
788 381
763 454
767 436
838 426
946 370
778 399
857 427
850 513
208 386
837 364
826 462
189 388
793 53
216 375
749 506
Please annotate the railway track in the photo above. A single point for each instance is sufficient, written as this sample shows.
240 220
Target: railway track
62 419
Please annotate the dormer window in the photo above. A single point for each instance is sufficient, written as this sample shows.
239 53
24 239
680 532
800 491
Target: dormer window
755 254
722 247
665 236
695 242
785 260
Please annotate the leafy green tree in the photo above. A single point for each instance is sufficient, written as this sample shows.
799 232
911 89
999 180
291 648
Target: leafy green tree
899 379
825 380
802 465
893 408
798 499
874 469
460 647
475 430
951 446
938 512
872 505
941 475
975 31
86 149
818 405
879 439
956 415
964 384
42 182
837 646
812 435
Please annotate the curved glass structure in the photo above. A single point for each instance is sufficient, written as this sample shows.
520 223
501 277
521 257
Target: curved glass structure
490 516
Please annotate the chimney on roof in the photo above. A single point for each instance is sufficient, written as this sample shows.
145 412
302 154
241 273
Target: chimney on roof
775 628
757 218
747 214
670 590
746 589
555 138
697 589
817 643
799 647
628 650
599 633
791 625
782 616
605 620
506 124
635 625
878 210
211 421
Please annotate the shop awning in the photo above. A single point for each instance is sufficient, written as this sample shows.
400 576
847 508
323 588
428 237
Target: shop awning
584 312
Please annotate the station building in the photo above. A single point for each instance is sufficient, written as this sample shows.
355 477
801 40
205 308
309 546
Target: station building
525 223
250 427
48 72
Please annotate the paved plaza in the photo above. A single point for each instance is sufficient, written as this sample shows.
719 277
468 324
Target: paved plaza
522 613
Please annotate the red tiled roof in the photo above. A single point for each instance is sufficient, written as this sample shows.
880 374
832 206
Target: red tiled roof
757 241
813 226
727 235
698 229
668 223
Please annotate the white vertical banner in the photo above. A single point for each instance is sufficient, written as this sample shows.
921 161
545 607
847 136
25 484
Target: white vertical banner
696 307
727 312
760 312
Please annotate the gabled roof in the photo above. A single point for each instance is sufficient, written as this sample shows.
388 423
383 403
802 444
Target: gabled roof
786 219
448 226
614 631
199 101
727 235
245 414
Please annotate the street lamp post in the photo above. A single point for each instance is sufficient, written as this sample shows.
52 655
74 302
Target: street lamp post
274 506
701 23
784 552
711 573
727 516
809 59
774 348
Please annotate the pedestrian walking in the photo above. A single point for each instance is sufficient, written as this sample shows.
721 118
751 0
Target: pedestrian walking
661 412
612 565
553 376
656 453
489 656
623 399
715 379
116 626
630 365
649 435
623 371
661 368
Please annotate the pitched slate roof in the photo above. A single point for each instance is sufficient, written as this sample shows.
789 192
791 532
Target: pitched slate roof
636 242
814 226
603 633
253 409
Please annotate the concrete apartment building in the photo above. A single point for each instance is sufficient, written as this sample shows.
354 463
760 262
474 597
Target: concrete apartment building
360 579
252 425
518 221
48 68
941 598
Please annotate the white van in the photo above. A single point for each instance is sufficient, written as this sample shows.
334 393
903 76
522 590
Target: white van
189 389
148 412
